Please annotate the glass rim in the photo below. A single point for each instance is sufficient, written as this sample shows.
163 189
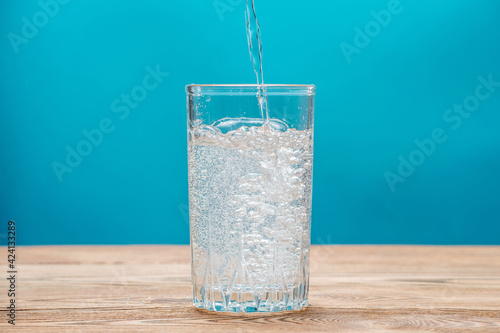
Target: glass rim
244 89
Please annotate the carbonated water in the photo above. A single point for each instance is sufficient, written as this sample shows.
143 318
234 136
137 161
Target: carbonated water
250 201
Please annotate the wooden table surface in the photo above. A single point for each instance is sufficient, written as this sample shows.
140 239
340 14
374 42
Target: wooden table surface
353 289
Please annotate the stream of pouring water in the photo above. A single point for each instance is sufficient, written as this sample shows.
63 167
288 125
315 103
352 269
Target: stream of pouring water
255 48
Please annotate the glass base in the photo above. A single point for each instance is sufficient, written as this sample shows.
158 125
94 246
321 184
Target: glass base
249 302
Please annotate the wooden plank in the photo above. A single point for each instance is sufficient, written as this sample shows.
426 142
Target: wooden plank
353 289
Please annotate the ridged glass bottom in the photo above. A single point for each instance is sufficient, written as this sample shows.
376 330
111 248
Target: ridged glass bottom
247 301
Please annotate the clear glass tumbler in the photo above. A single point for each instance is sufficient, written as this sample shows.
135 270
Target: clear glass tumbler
250 184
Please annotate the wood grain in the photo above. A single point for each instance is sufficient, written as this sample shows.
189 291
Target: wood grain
353 289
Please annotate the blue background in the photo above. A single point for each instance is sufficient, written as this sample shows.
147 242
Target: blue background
132 188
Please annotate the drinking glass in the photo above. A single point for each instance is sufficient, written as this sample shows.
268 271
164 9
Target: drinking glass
250 185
